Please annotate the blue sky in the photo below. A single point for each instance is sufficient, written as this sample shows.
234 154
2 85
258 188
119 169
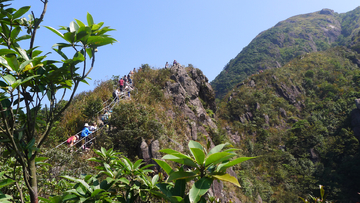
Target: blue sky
206 34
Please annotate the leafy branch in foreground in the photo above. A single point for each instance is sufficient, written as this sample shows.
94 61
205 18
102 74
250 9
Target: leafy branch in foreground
203 168
28 80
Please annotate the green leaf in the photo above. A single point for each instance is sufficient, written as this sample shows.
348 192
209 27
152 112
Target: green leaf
97 41
23 65
193 144
23 37
199 188
166 167
213 158
81 24
4 62
78 57
185 160
216 149
56 31
223 167
89 19
179 188
82 182
169 151
69 197
14 33
12 62
73 26
181 175
21 12
6 182
70 37
199 155
6 51
89 51
228 178
9 79
37 159
96 192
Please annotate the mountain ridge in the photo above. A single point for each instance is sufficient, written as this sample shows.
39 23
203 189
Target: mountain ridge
292 37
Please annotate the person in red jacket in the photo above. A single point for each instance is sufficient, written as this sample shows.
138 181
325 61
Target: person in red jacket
121 84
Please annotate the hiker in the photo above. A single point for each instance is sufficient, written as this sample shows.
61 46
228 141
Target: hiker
125 79
166 65
116 95
85 135
175 62
129 78
93 127
121 84
72 140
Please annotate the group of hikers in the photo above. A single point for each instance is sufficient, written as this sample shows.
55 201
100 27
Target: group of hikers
167 64
125 86
85 136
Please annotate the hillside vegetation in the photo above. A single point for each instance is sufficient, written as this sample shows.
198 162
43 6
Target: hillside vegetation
293 37
297 120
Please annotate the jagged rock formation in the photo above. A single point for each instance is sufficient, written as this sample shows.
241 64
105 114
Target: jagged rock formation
187 91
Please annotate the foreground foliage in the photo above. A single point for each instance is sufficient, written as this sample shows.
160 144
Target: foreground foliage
28 80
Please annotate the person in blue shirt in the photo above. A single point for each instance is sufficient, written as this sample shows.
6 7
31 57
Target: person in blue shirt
85 133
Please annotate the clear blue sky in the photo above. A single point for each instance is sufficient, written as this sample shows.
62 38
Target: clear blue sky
206 34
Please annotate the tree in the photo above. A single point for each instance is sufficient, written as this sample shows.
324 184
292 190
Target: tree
28 80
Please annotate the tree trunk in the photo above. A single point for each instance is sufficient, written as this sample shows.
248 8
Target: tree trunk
33 182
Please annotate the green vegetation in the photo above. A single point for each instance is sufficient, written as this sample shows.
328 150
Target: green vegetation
288 39
300 127
29 79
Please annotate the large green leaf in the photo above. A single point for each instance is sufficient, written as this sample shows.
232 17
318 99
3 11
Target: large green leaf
70 37
199 188
182 160
193 144
12 62
166 167
4 62
21 12
14 33
216 149
181 175
89 19
228 178
80 23
56 31
223 167
6 51
213 158
199 155
73 26
169 151
179 188
97 41
9 79
6 182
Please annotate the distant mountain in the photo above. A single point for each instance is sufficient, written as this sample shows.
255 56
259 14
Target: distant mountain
295 36
301 121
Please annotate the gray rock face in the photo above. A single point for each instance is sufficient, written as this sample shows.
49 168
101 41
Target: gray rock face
189 87
327 11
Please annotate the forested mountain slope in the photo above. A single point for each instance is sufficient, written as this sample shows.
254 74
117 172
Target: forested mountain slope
299 120
293 37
